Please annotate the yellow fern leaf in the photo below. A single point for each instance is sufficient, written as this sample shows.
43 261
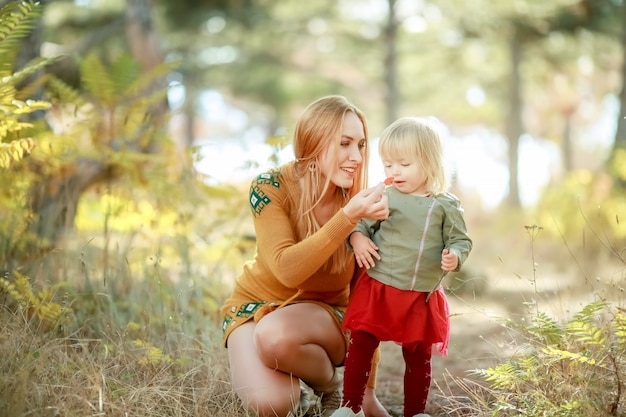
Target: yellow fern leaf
49 312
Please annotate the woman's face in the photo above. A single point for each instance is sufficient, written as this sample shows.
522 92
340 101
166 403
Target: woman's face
351 149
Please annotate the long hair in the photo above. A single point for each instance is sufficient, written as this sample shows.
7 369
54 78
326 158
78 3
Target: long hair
320 128
417 139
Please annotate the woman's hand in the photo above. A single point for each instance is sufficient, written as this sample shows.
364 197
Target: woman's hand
369 203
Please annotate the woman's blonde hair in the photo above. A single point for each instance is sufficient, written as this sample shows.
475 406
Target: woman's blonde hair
417 139
320 128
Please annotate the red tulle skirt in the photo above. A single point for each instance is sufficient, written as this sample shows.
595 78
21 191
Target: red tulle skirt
401 316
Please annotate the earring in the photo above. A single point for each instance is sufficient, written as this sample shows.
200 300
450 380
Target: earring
312 167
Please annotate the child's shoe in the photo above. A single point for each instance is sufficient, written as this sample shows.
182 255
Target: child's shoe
346 412
421 415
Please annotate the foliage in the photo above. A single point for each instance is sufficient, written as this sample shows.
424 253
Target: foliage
38 305
17 19
585 212
106 131
18 137
573 369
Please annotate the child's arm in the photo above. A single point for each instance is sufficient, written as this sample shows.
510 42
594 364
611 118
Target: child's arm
364 250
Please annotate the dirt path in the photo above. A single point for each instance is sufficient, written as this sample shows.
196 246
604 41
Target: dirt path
476 340
479 339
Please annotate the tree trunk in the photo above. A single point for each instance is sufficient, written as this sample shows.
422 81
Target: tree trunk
568 153
54 201
391 66
619 145
514 119
144 46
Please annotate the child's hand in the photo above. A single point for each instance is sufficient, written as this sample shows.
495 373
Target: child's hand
449 260
364 250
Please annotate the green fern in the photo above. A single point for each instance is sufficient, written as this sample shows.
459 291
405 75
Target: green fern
97 81
29 69
38 305
60 92
570 369
124 71
16 22
589 311
620 329
547 329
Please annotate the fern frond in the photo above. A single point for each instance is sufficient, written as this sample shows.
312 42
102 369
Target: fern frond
59 90
15 151
16 22
40 304
510 375
620 328
32 87
97 80
146 80
17 18
124 72
587 333
546 328
587 314
28 70
572 356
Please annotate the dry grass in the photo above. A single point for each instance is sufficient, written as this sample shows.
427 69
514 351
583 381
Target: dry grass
115 375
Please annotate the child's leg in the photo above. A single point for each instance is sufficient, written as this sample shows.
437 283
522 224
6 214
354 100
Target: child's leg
357 368
417 378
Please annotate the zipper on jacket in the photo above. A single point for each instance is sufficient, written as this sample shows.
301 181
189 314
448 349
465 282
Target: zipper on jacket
431 207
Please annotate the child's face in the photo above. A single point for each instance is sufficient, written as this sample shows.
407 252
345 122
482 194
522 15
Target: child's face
408 176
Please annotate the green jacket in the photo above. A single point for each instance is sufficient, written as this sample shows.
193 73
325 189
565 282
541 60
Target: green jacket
411 239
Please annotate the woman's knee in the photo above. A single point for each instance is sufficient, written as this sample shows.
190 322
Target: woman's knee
273 343
270 402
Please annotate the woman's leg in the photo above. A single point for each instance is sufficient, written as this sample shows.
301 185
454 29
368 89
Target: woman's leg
303 340
262 390
371 406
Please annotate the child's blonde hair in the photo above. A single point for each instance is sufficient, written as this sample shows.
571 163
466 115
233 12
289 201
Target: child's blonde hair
416 139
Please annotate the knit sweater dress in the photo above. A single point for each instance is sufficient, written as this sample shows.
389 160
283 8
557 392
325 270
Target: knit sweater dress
283 265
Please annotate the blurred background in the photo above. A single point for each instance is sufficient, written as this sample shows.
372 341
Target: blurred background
529 91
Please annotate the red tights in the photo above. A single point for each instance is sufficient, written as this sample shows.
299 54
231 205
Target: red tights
417 373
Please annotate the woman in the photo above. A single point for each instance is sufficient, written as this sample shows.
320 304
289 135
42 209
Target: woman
282 322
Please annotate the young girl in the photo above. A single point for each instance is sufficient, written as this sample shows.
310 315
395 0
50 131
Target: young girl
399 296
